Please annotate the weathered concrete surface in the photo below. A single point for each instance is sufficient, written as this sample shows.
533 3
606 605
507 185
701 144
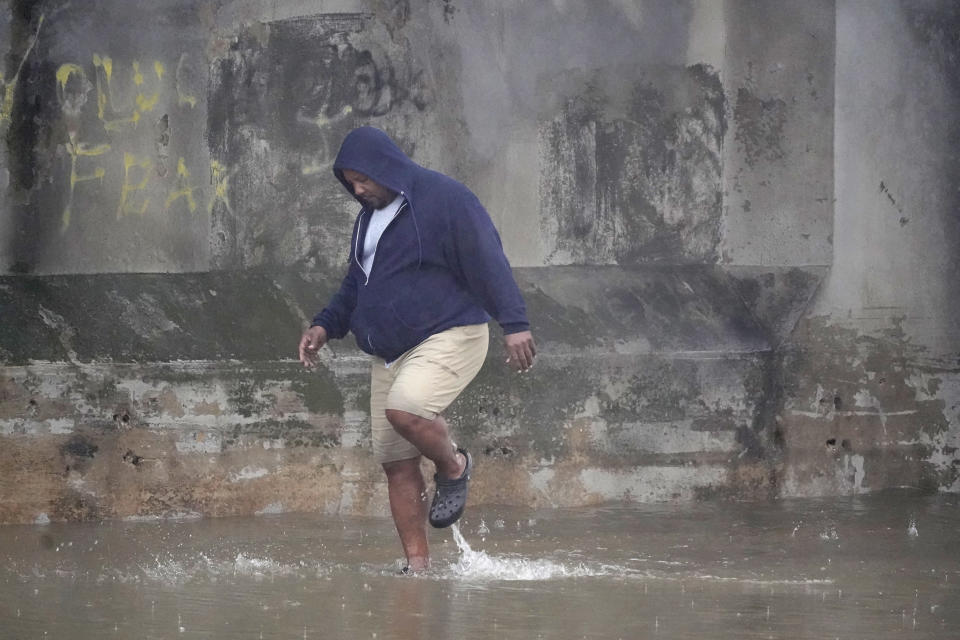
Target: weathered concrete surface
777 297
778 154
141 401
154 317
94 441
867 411
638 135
873 371
220 439
109 168
9 79
734 222
638 181
284 97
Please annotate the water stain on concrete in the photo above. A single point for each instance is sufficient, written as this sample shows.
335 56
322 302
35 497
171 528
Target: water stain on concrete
635 178
862 409
281 102
79 447
759 126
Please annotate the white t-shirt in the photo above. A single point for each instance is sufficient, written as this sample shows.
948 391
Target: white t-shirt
379 220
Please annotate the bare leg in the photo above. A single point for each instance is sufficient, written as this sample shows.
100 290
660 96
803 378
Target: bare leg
405 483
408 505
432 438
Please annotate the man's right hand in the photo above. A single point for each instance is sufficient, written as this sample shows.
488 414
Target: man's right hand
313 338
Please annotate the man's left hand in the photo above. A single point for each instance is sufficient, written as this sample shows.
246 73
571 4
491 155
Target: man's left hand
521 350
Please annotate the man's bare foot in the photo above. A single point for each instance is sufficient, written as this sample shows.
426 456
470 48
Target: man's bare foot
415 565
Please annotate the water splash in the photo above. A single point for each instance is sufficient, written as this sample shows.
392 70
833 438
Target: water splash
829 533
478 565
173 571
262 567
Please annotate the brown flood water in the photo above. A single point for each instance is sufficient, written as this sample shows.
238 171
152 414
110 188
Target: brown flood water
878 566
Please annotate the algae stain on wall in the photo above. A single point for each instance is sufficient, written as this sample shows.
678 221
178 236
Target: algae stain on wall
635 179
760 126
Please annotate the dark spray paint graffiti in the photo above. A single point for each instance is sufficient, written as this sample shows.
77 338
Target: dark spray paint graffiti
282 101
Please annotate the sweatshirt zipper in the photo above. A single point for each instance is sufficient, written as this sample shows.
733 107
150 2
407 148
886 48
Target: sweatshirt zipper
356 246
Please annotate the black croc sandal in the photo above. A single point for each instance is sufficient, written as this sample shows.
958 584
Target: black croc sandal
450 498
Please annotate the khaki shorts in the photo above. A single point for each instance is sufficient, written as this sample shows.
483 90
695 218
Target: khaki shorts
423 381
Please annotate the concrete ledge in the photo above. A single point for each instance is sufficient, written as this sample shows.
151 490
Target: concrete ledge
259 316
153 317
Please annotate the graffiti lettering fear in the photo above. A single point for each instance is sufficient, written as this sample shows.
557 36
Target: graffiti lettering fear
126 104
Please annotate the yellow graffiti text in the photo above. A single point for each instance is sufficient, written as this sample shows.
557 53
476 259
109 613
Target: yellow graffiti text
78 150
185 190
126 93
219 179
143 102
313 168
64 73
131 162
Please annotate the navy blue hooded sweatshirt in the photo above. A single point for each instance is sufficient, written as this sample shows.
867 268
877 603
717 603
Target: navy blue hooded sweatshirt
439 263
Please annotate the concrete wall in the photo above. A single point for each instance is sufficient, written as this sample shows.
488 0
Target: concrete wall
7 88
109 171
696 197
873 367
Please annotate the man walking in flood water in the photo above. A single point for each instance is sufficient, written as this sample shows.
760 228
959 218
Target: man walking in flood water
426 273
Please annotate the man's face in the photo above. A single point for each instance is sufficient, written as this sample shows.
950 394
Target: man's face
371 194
